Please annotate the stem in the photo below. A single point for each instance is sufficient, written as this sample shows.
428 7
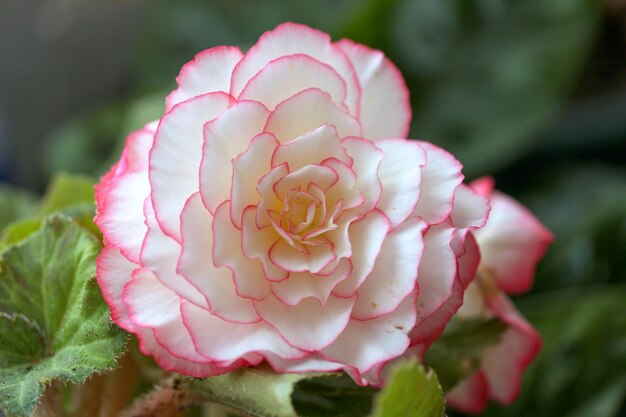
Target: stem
166 400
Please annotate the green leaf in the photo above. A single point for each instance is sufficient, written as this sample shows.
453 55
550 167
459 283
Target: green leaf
18 231
47 288
333 394
15 204
457 353
410 391
66 191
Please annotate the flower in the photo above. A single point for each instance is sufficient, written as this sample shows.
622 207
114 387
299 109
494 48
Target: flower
277 213
511 244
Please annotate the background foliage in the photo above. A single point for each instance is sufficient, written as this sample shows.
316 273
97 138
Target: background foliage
532 92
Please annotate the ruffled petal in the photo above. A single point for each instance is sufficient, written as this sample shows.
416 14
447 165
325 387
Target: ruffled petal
224 139
324 323
385 104
471 395
290 39
209 71
394 275
306 111
366 161
176 154
290 74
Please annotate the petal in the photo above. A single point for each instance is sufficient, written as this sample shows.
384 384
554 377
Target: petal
220 340
322 176
311 149
400 175
175 156
289 39
284 256
113 271
395 272
324 323
470 209
440 177
306 111
224 139
196 264
366 158
209 71
437 271
366 237
248 169
504 363
469 396
364 344
161 252
301 285
256 243
290 74
310 363
149 302
512 243
385 104
120 212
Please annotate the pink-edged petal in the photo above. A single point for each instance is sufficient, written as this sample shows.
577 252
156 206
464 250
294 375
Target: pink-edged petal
113 271
470 209
289 39
309 325
175 156
385 104
395 272
366 237
512 243
220 340
440 177
504 363
214 281
470 396
364 344
256 243
437 271
287 258
322 176
224 139
290 74
149 346
429 330
301 285
311 148
120 212
310 363
161 253
306 111
149 302
366 157
248 274
346 189
209 71
248 169
269 199
400 175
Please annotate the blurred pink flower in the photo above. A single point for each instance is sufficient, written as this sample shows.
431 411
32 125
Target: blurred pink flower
511 244
277 213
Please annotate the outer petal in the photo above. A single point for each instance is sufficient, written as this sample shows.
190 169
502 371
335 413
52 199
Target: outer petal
195 263
512 242
470 395
324 323
288 75
209 71
175 156
289 39
307 111
385 104
366 158
400 175
224 139
364 344
113 271
220 340
504 363
394 275
440 177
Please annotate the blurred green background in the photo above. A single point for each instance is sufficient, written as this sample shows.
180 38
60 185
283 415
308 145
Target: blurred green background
532 92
